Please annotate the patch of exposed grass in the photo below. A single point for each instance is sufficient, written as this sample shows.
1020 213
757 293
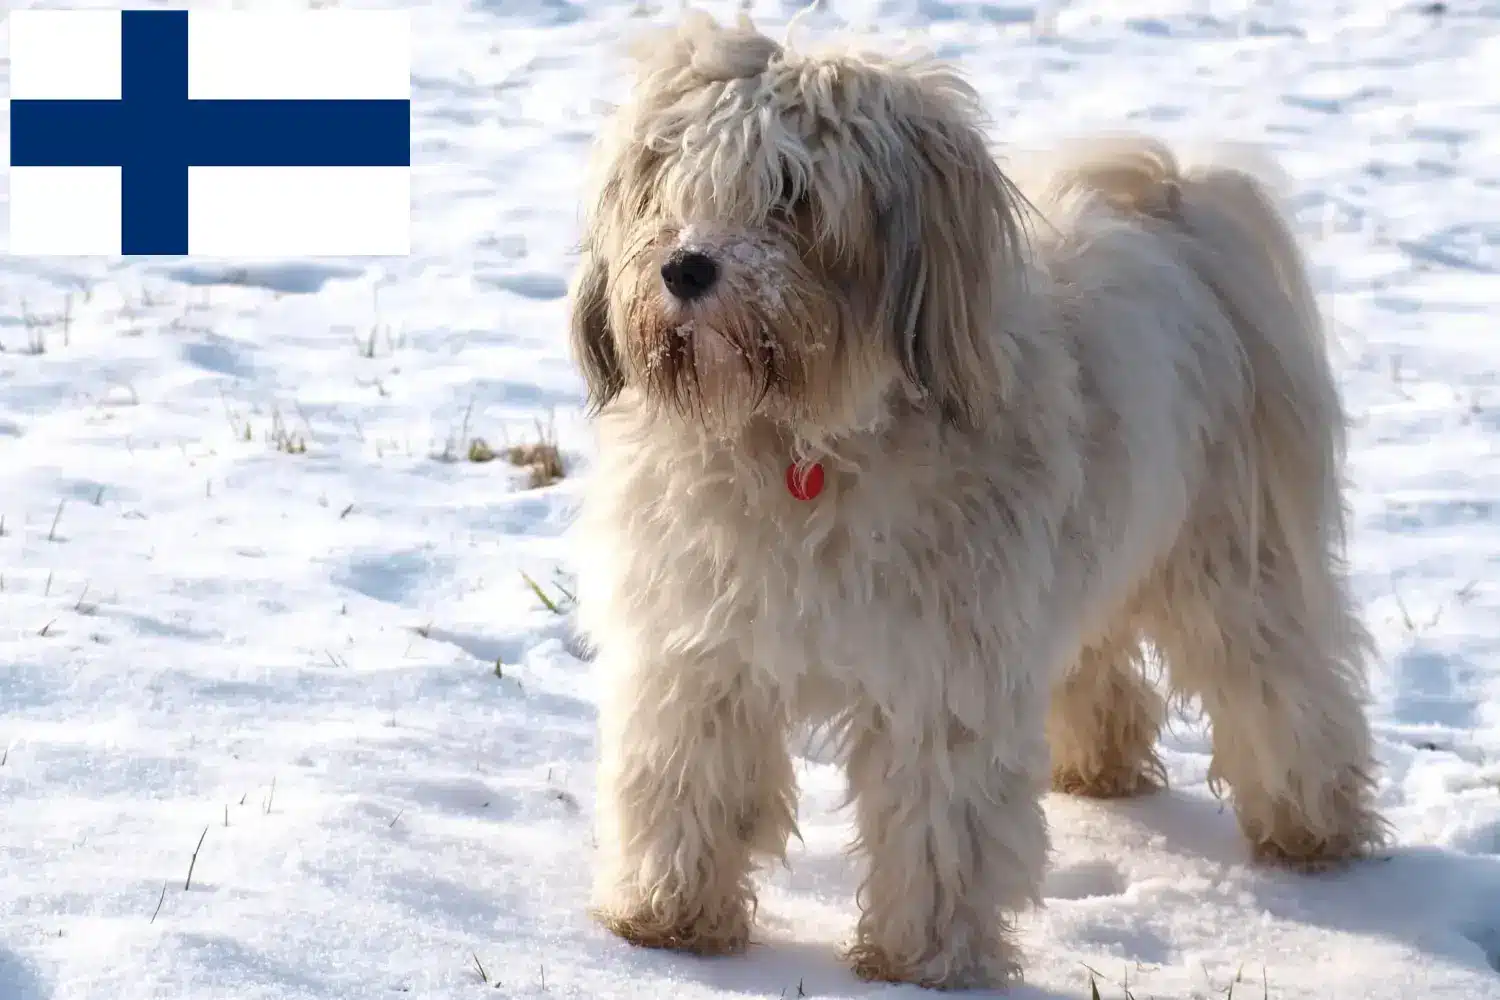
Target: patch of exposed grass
541 459
461 444
561 605
281 435
283 438
1228 992
480 451
39 325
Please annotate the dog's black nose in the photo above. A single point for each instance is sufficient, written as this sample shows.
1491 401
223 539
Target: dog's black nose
689 275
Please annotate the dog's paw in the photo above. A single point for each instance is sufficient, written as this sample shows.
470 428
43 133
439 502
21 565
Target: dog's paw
1280 835
1303 860
724 931
994 970
1311 853
1119 782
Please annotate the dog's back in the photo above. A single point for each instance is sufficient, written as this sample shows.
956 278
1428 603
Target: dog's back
1224 210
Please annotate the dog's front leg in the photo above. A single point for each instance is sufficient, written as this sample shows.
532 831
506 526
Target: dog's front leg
951 826
694 781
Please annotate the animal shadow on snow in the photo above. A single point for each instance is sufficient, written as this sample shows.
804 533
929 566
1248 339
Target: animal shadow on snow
775 968
18 980
1439 902
1442 903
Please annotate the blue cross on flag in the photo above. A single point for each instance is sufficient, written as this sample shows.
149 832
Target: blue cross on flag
215 133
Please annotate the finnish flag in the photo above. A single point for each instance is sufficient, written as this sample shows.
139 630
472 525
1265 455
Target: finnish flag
215 133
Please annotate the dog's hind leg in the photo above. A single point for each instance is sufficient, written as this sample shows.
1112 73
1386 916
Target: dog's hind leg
952 833
1103 721
1274 651
695 781
1256 615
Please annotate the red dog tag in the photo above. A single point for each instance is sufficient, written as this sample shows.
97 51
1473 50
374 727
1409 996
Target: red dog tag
805 486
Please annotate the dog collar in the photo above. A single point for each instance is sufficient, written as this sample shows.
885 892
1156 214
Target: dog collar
804 485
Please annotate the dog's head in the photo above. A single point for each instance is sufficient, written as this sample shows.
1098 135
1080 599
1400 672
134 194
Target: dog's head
793 236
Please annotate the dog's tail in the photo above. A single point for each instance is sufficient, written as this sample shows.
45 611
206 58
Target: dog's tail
1240 243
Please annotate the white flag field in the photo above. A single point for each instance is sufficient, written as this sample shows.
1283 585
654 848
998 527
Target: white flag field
233 134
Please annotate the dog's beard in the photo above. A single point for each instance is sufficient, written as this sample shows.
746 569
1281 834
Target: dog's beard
717 360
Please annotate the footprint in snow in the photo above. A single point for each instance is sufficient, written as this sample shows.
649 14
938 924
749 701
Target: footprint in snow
1085 880
292 278
530 285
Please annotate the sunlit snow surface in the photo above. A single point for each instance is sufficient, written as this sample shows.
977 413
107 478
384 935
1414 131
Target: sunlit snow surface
297 652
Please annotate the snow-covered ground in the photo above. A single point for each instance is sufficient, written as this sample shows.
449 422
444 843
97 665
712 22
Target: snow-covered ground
263 623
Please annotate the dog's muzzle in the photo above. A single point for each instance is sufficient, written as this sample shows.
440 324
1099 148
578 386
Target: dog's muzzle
689 275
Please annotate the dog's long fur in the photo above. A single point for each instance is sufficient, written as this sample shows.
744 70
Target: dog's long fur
1040 452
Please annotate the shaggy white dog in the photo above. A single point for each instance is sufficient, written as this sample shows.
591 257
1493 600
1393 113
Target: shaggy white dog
1034 424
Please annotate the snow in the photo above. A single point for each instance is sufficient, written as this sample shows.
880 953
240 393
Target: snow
262 623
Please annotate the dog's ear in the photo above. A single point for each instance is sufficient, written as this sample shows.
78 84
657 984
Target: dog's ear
592 343
951 233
